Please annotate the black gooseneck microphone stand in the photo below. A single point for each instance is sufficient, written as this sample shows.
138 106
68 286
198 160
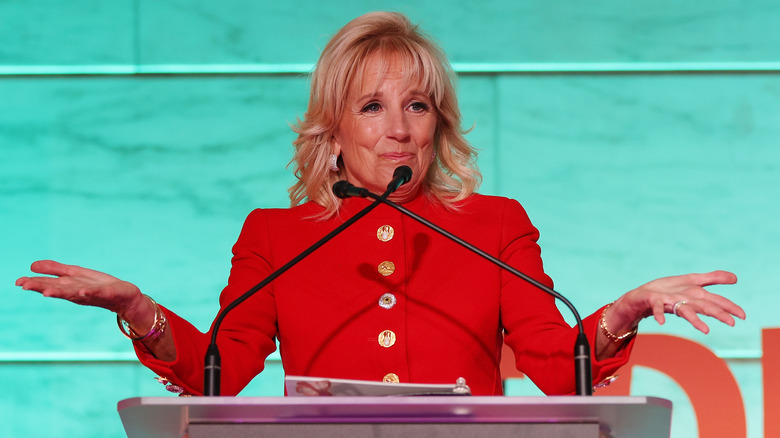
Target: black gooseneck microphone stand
213 367
582 365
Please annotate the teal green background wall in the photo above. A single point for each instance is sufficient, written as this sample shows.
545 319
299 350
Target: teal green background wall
135 136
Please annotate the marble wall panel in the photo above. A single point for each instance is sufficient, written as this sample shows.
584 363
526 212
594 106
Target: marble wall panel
239 32
77 32
68 399
476 97
146 178
76 399
635 177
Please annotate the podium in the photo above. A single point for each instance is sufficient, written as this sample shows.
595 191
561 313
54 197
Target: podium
396 417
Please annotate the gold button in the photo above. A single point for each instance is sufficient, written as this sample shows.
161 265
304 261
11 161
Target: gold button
386 268
387 338
387 301
385 233
391 378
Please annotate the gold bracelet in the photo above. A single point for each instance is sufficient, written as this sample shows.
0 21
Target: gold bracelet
611 336
158 326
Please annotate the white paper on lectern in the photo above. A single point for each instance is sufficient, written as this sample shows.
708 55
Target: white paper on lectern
299 386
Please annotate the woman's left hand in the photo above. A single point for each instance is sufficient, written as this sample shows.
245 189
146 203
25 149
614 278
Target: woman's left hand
682 295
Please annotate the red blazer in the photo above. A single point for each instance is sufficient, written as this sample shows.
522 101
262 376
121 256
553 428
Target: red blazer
434 313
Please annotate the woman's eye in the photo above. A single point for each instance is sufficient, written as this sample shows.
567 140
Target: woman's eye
371 108
418 107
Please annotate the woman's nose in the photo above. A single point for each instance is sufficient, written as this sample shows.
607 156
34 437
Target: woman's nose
398 126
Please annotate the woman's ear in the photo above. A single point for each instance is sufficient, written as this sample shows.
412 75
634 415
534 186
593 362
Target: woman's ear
335 147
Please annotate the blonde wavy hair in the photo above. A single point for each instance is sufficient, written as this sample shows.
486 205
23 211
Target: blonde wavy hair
453 174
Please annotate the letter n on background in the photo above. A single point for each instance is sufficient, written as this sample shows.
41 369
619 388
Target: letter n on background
703 376
770 364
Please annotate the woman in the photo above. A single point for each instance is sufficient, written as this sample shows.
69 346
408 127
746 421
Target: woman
387 300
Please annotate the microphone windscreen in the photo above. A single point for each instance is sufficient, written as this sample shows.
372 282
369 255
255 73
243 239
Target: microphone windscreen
341 189
404 172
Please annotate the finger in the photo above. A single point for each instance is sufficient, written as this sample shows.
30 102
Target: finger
37 284
727 305
64 271
658 312
687 312
52 287
50 267
717 312
712 278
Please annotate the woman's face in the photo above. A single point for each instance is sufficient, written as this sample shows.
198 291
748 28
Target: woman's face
386 124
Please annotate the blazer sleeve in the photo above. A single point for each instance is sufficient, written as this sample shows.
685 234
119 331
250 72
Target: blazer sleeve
247 334
542 341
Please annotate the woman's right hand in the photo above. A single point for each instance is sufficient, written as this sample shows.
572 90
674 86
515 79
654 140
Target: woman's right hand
90 288
93 288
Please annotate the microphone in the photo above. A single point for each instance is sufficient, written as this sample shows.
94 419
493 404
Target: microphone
343 189
582 365
401 176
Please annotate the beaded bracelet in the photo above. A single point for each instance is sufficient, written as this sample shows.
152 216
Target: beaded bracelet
611 336
158 326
